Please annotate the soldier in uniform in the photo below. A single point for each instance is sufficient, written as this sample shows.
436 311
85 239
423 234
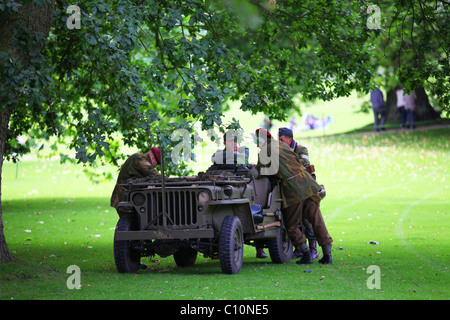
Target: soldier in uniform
138 165
299 191
230 158
286 135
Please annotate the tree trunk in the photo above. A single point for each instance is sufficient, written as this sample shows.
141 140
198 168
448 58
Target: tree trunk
5 255
37 19
423 111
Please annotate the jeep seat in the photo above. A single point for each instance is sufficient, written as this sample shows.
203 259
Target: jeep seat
262 189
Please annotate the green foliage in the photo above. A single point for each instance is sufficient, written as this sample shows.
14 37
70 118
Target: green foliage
135 71
412 48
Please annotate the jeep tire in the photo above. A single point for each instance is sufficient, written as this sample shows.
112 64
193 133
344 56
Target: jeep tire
231 245
280 248
126 258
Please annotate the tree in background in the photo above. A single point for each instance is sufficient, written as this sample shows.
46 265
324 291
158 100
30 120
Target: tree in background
19 64
411 49
103 75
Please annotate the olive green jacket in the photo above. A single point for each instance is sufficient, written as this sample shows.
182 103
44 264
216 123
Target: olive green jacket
278 160
136 166
302 153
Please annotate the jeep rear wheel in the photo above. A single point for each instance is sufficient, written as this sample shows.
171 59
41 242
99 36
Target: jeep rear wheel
126 258
280 248
231 245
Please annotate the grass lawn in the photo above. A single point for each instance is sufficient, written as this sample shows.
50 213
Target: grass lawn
388 188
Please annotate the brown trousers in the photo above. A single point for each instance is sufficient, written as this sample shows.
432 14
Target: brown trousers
309 209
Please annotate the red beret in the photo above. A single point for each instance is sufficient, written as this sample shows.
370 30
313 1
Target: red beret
263 130
157 154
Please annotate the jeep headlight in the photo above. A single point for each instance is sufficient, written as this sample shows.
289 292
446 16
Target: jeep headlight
228 191
138 199
203 197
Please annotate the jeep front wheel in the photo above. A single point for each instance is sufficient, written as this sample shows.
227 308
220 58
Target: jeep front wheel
280 248
231 245
126 258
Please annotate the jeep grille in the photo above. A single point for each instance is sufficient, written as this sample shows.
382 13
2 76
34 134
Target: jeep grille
181 206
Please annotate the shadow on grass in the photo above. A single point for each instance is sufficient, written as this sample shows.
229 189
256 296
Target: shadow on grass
50 234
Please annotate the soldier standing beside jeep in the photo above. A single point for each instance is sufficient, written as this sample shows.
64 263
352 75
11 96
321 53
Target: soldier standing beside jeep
300 196
287 136
138 165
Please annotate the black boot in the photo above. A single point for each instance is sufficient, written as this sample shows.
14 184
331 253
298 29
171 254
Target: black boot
260 254
313 249
297 253
306 258
326 259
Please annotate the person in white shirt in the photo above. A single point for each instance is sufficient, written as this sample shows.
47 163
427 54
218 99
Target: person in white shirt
401 106
410 105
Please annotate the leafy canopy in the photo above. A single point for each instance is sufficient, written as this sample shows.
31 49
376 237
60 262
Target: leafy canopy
136 70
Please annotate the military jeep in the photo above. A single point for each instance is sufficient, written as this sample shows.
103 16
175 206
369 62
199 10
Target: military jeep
214 213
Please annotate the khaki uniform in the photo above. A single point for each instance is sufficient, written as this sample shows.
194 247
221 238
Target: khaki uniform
137 165
296 183
299 192
309 210
302 153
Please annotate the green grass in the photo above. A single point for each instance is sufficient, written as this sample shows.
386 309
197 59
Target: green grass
389 188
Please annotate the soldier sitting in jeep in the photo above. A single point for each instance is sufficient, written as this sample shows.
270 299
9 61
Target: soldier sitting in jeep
234 158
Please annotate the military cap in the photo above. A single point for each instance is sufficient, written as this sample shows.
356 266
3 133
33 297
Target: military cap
285 132
263 130
157 154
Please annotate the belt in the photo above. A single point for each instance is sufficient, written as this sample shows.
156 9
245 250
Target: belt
290 178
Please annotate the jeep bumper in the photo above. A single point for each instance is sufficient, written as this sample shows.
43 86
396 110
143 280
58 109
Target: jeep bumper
164 234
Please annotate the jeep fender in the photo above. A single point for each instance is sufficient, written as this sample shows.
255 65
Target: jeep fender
241 210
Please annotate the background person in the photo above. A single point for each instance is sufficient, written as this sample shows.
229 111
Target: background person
410 105
379 109
401 106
